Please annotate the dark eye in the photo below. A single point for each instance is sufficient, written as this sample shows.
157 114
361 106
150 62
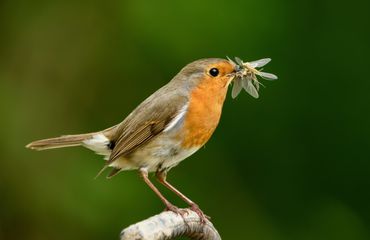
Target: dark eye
214 72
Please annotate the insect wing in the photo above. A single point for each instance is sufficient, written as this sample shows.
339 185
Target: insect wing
239 61
259 63
237 87
249 87
267 76
256 84
252 90
231 60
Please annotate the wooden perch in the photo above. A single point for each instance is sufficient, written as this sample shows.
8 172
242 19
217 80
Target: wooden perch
169 225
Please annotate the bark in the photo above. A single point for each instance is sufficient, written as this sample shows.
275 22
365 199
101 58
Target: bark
169 225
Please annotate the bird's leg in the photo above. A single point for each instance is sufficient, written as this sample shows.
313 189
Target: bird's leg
161 176
169 206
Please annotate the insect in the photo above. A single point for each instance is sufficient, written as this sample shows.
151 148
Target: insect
247 77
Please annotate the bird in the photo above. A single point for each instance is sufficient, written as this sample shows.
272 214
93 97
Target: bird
166 128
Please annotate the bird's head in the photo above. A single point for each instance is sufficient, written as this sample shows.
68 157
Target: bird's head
216 71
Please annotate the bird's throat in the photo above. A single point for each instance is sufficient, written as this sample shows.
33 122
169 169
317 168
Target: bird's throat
204 112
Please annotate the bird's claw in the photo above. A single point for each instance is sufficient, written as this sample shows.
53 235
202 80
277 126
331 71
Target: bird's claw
176 210
182 212
203 218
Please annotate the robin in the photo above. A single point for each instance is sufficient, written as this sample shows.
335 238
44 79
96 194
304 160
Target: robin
167 127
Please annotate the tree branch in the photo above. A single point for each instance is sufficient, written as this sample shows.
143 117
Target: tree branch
169 225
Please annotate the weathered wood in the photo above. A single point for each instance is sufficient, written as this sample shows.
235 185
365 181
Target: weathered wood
169 225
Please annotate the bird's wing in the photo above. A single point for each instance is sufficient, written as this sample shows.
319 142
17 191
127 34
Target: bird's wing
148 120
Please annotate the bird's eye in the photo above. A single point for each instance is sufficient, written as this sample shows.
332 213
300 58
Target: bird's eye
214 72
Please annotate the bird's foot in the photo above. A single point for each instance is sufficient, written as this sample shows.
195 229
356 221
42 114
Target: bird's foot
173 208
176 210
203 218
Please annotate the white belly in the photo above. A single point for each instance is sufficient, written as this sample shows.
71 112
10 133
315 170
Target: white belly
162 153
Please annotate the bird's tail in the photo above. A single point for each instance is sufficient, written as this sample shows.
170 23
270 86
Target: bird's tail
60 142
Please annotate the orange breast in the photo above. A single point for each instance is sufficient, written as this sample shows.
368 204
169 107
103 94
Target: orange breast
203 113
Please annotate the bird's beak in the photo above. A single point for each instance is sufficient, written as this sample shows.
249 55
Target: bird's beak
237 68
237 72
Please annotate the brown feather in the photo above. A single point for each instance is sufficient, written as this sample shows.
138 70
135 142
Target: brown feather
148 120
59 142
127 144
67 140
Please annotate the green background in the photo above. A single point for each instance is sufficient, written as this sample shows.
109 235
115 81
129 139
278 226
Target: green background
293 164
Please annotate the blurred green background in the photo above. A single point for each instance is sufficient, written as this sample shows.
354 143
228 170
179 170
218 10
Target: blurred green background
293 164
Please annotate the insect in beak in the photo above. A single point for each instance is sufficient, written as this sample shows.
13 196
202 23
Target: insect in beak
246 76
238 69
